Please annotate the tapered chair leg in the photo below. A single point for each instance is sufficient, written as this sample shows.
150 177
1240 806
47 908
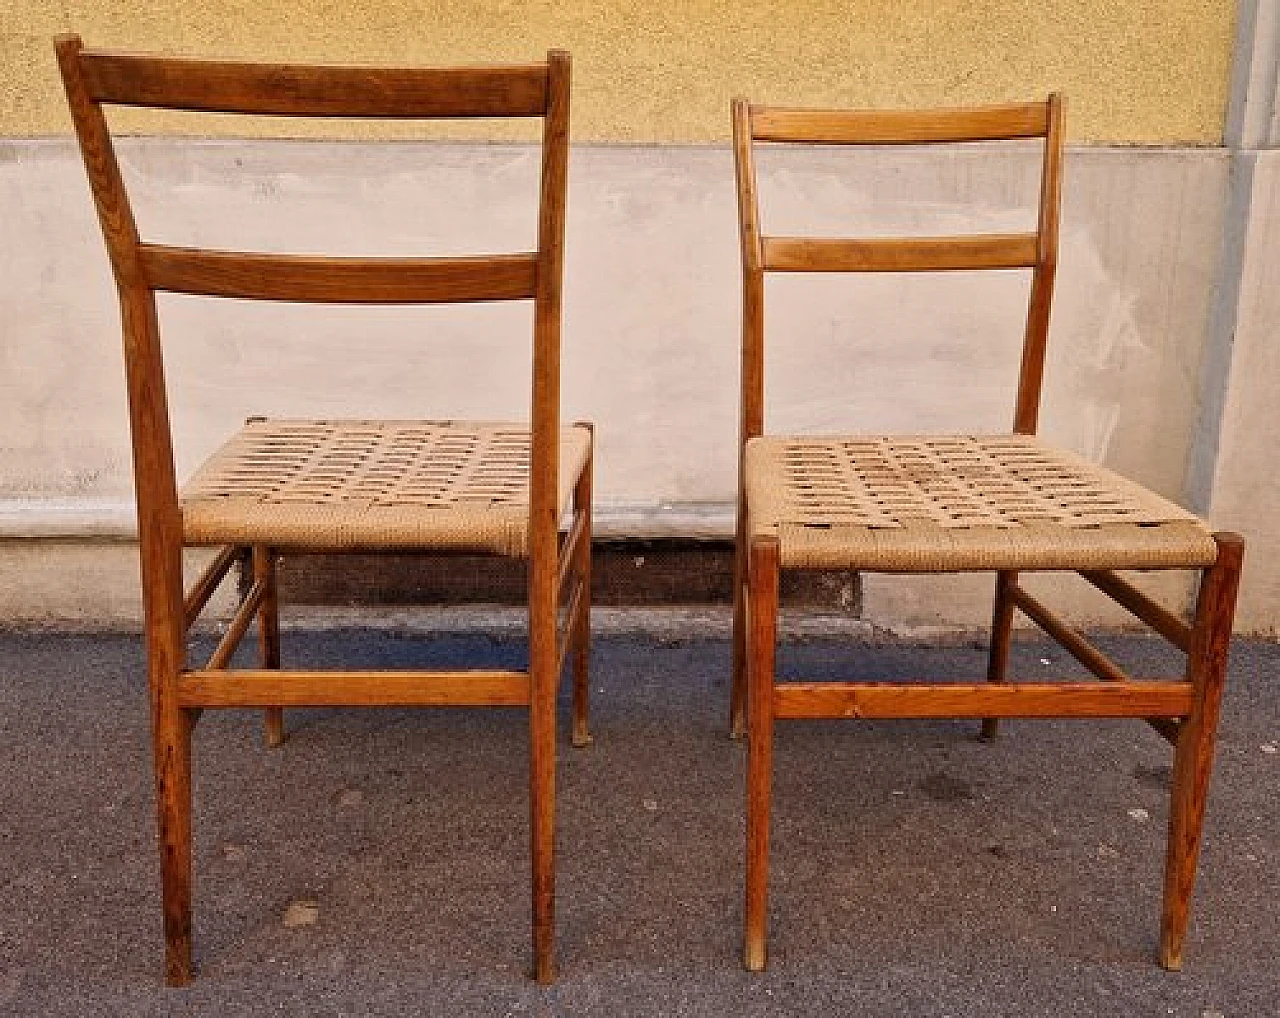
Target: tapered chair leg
171 748
762 640
543 681
172 741
582 623
1193 756
264 568
738 690
1001 638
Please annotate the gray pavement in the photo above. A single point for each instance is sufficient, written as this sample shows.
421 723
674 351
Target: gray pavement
917 871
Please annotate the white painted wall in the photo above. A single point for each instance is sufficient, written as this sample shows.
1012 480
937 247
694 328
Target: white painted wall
651 313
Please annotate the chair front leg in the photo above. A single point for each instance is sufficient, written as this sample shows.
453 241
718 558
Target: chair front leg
1193 756
763 598
264 568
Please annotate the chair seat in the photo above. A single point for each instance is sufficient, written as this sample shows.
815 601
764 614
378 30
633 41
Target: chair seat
951 503
346 485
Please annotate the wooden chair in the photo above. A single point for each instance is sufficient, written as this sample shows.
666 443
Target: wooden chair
344 485
957 503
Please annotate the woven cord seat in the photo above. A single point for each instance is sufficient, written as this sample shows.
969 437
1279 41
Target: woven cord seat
952 503
345 485
290 486
958 502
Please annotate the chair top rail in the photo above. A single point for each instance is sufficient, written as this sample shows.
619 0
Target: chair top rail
900 254
293 90
899 127
324 280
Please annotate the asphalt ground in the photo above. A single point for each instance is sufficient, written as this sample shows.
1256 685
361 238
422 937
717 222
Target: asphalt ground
378 863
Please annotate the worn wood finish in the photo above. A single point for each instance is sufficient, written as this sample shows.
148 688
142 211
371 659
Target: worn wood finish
763 595
898 127
543 511
250 687
141 269
1185 712
893 254
1001 641
581 614
216 86
751 403
1036 337
1193 756
976 700
159 517
210 580
1154 615
264 572
320 280
237 627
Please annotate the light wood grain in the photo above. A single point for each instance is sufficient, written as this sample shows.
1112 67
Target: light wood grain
92 78
216 86
315 279
762 699
978 700
245 687
898 127
895 254
1193 755
544 514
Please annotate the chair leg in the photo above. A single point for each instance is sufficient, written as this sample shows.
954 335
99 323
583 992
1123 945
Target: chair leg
264 568
763 594
1001 637
171 749
1193 755
738 690
543 680
582 624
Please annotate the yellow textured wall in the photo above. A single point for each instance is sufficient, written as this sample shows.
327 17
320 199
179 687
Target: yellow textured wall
1144 71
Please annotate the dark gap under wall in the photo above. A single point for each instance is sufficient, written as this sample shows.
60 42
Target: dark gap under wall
643 573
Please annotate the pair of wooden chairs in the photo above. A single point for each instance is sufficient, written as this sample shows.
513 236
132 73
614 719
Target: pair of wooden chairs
877 503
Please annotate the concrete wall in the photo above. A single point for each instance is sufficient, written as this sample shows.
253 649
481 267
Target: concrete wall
1160 364
1247 485
651 316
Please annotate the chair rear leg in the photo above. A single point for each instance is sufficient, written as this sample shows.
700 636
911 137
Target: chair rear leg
264 568
762 638
738 690
1193 756
543 681
171 750
1001 638
582 624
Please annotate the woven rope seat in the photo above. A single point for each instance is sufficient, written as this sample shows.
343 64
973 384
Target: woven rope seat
354 484
958 502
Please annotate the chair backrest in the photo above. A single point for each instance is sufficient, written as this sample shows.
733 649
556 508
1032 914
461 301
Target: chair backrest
1037 251
94 79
